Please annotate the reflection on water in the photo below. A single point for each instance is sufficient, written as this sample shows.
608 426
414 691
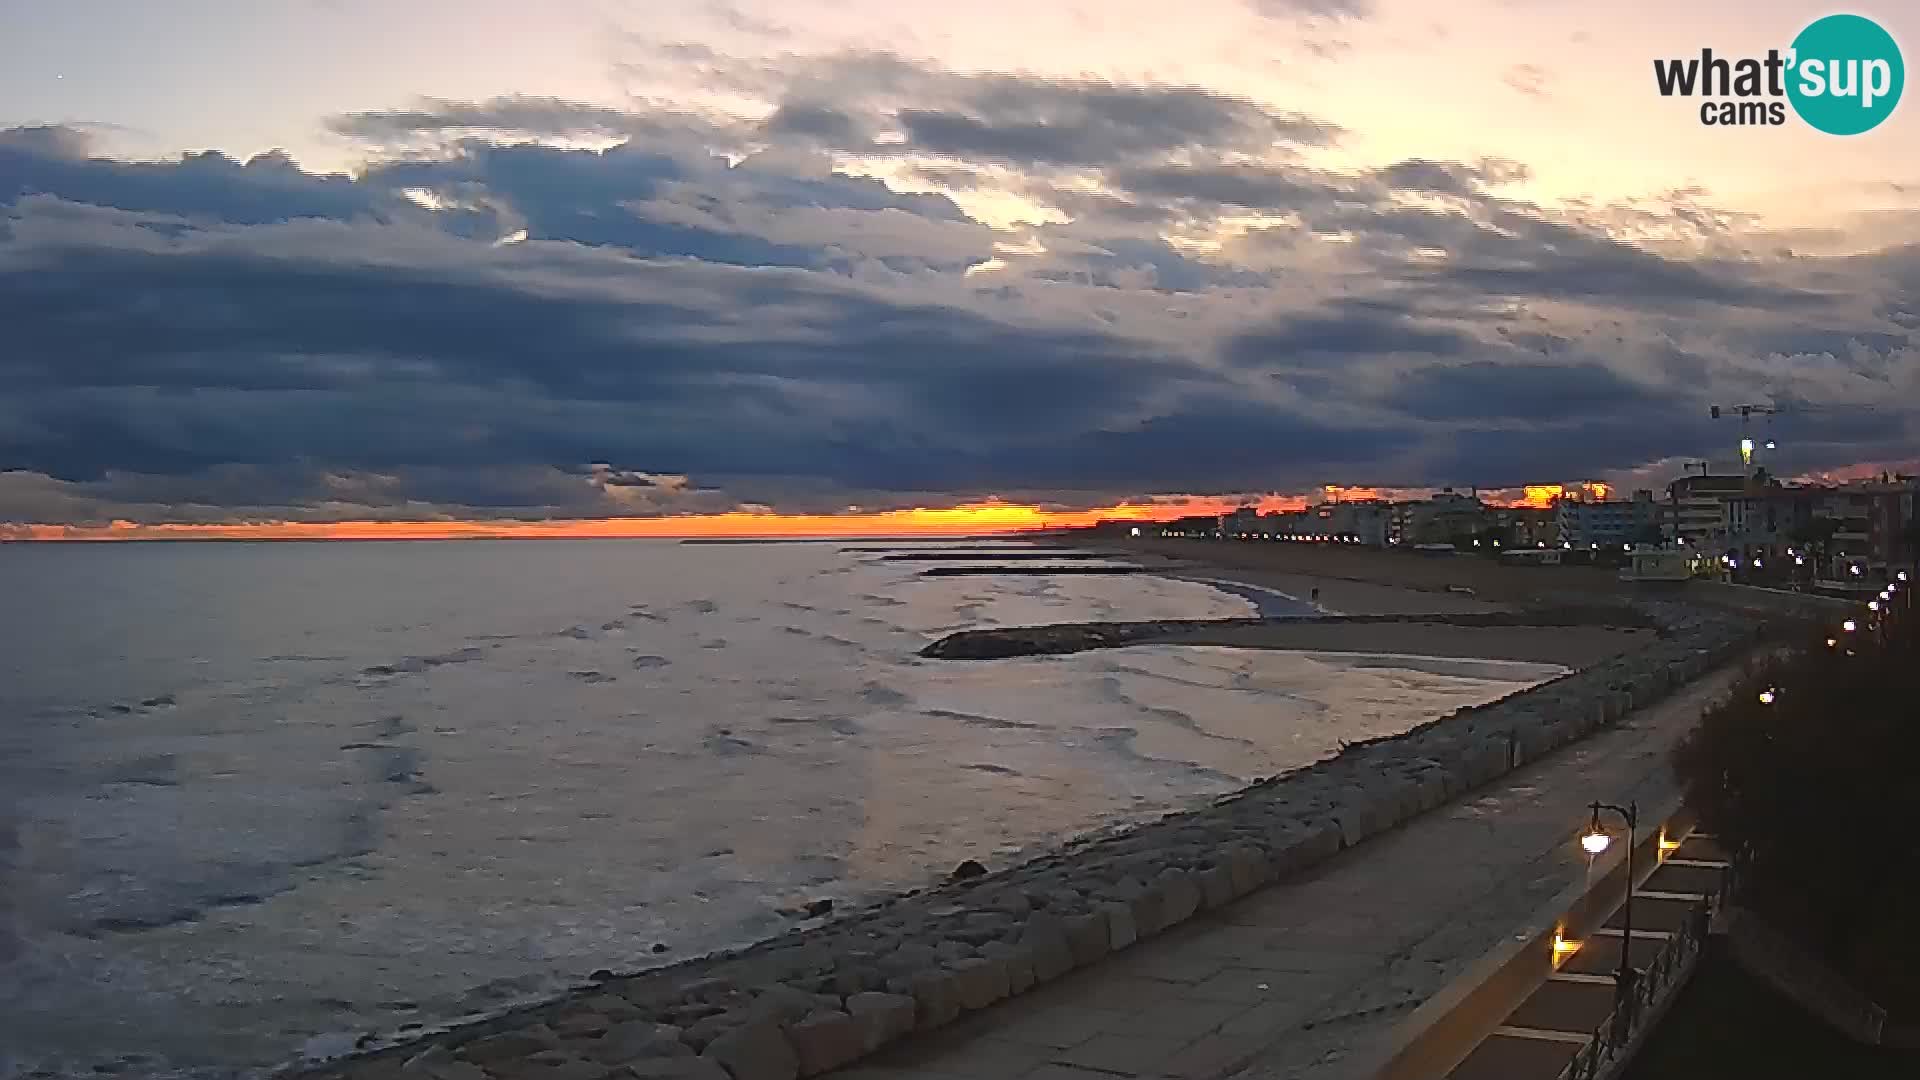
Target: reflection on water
251 795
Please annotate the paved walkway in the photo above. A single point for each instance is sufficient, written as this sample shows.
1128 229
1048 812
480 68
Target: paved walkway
1308 977
1538 1039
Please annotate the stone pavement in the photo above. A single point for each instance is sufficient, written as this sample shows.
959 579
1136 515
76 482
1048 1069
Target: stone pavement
1307 978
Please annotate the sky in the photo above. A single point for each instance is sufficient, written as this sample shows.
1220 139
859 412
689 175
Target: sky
821 264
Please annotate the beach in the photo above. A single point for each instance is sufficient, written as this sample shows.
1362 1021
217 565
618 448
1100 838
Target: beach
328 790
1361 580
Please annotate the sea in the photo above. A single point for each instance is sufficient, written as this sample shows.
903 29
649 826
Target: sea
259 800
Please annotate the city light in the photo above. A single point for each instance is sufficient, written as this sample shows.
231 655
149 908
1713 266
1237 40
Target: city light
1831 642
1854 569
1873 605
1766 696
1595 842
1902 575
1849 626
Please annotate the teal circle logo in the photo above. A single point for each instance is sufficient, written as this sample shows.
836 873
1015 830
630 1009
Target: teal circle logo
1846 74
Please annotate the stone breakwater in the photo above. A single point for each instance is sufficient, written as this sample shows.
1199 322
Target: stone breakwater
1003 642
819 998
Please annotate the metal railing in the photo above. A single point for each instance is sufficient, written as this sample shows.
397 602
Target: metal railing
1653 985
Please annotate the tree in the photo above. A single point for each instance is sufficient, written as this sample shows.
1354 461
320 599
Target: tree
1815 536
1812 792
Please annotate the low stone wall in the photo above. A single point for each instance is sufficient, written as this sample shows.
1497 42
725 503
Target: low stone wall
1002 642
1769 602
815 999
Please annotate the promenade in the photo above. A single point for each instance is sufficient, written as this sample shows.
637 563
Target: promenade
1308 977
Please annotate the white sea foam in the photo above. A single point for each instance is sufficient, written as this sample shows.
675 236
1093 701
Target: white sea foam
255 796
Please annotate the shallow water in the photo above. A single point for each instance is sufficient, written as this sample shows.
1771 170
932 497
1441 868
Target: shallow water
261 797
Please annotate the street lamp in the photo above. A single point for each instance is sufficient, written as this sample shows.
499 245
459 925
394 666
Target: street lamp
1594 842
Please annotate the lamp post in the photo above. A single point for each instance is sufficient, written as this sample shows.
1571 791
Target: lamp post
1595 841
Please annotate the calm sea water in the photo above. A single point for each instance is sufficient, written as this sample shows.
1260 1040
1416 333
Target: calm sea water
256 799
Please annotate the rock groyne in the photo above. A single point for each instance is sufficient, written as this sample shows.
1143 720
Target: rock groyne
822 997
1004 642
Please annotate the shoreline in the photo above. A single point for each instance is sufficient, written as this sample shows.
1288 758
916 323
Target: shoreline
1570 637
826 994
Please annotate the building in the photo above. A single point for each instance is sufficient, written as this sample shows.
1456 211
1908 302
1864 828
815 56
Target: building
1607 523
1529 526
1364 521
1444 518
1199 526
1696 511
1242 523
1864 523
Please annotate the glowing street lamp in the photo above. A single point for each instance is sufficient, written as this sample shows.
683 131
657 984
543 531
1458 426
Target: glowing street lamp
1766 696
1594 842
1849 626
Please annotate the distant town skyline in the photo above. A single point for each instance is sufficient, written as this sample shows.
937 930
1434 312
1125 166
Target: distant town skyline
824 266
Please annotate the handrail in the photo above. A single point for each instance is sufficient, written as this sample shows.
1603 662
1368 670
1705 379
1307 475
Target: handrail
1661 977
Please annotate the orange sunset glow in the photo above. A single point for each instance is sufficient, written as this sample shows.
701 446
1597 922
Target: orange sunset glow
987 517
991 516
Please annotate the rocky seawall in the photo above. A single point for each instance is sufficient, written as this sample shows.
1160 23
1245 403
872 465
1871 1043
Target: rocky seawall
1003 642
823 996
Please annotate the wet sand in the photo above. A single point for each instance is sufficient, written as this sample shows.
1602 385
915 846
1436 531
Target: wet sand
1570 646
1364 581
1367 582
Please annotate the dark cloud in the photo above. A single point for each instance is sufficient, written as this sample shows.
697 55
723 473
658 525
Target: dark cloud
515 114
824 122
266 188
183 360
1348 329
1485 389
710 312
1034 121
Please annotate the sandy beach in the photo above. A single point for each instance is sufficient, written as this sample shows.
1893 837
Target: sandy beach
1571 646
1366 582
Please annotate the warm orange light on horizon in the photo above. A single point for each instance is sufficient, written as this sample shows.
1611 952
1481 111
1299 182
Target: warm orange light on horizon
1540 496
987 517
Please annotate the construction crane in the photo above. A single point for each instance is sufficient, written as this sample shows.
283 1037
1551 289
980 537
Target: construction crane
1747 413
